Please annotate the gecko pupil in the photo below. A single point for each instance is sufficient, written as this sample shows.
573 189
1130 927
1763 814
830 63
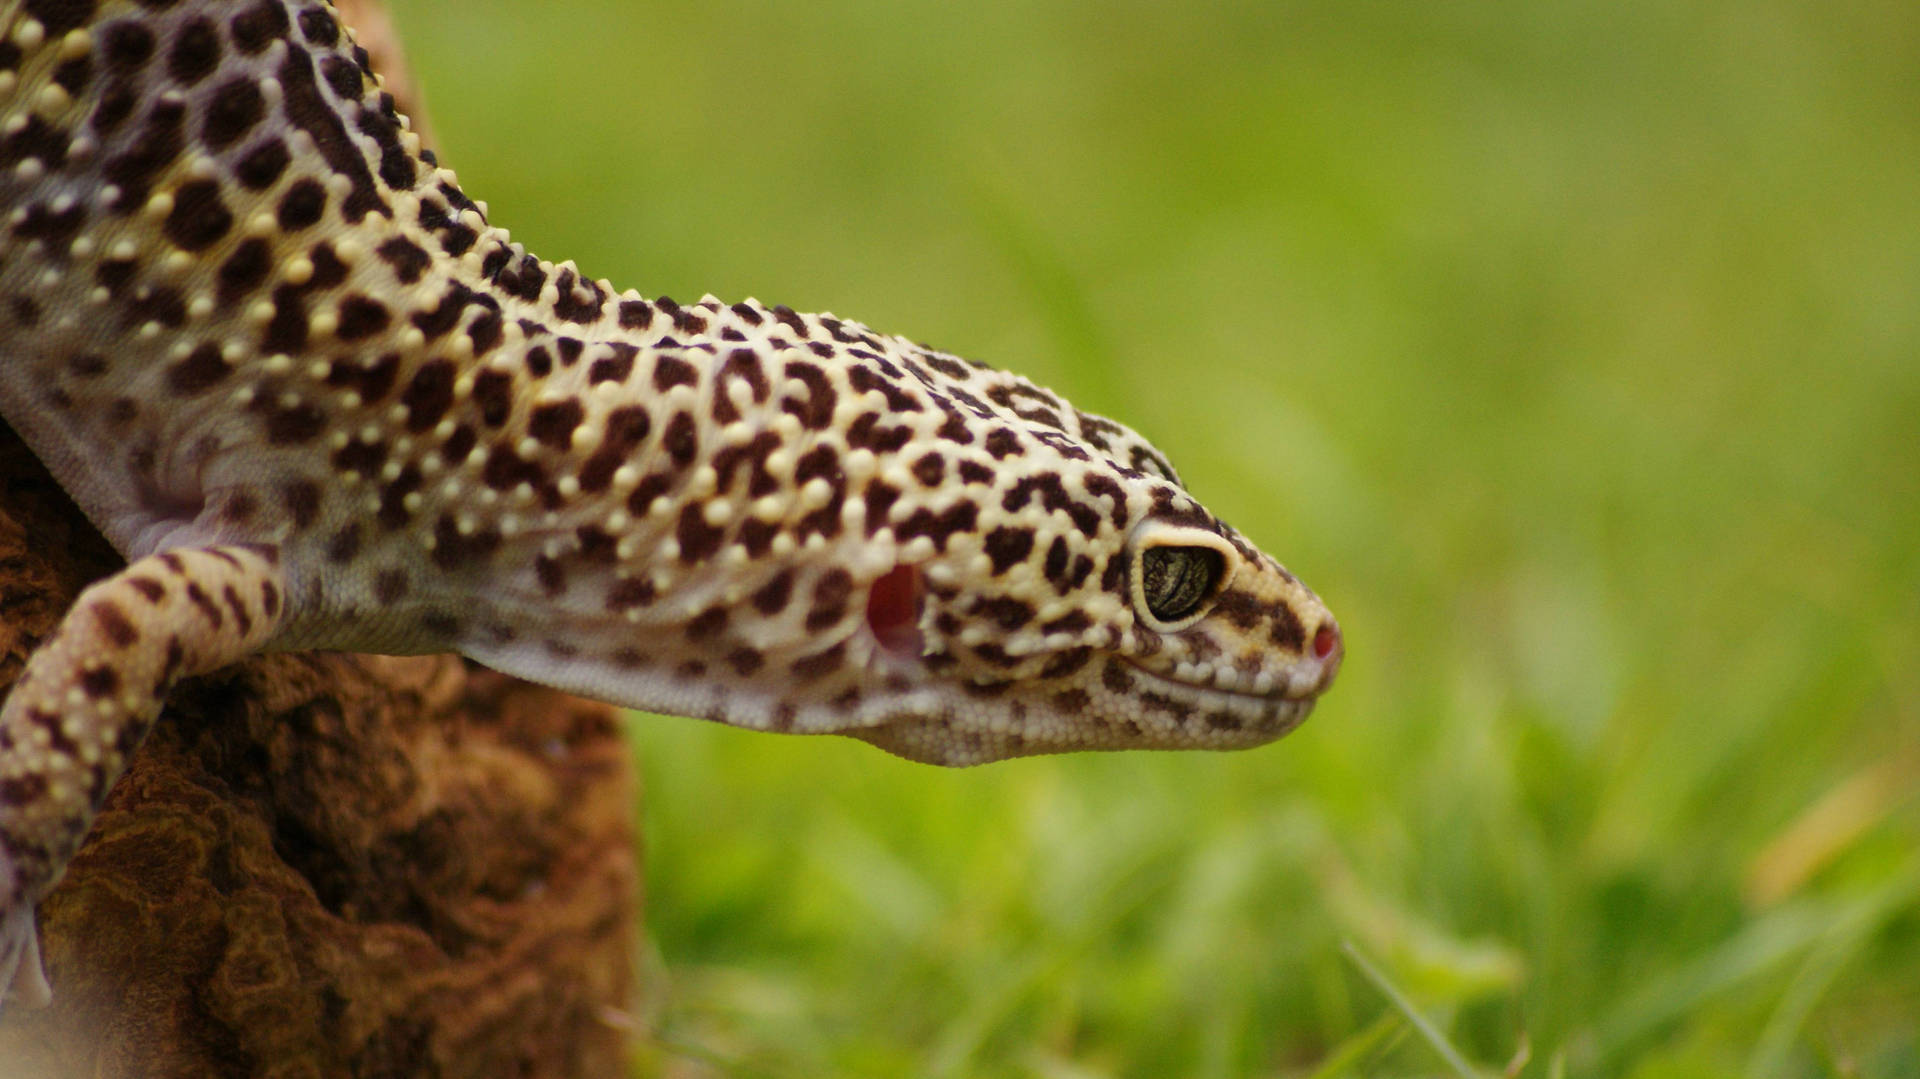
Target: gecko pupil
1175 580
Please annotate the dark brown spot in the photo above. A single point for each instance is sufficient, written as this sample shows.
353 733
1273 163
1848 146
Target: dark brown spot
26 311
493 392
361 316
408 259
195 52
626 428
681 439
319 27
199 371
597 544
930 470
1071 622
630 593
743 365
393 510
880 498
244 270
1066 663
1009 613
302 500
372 382
635 314
453 548
698 540
429 395
390 586
771 598
115 624
99 682
522 277
341 76
162 304
291 426
302 205
345 543
671 371
815 411
1003 443
757 535
1223 721
830 595
239 507
579 300
242 619
263 164
201 602
866 433
73 75
1159 703
707 624
617 367
820 663
233 110
940 527
126 45
255 28
1287 632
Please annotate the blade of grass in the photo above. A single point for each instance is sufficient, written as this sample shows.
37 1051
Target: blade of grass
1376 1036
1823 965
1420 1022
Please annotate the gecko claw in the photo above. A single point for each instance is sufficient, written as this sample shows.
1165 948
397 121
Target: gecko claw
23 978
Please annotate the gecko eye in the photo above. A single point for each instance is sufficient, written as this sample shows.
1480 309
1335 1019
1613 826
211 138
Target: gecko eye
1174 581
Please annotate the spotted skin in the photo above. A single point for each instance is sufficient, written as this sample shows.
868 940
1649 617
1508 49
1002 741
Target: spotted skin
290 368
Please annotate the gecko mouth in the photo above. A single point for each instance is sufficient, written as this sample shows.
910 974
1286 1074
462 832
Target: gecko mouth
1318 665
1285 692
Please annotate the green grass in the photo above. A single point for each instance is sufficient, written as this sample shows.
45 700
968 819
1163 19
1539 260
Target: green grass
1570 350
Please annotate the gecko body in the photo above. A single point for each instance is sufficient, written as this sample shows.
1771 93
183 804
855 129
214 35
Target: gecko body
318 400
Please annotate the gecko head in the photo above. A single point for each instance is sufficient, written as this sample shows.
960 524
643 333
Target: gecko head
943 560
1096 605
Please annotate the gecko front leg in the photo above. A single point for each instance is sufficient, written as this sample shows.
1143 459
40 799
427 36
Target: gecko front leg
87 698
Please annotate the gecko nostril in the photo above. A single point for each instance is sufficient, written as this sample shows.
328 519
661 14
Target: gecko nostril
1326 640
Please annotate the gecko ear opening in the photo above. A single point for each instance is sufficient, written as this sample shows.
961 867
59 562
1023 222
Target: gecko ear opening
893 611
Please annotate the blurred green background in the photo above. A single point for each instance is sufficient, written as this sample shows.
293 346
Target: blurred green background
1570 350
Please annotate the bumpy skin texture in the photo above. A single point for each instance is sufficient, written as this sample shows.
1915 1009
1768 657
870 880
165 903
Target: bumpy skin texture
244 319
